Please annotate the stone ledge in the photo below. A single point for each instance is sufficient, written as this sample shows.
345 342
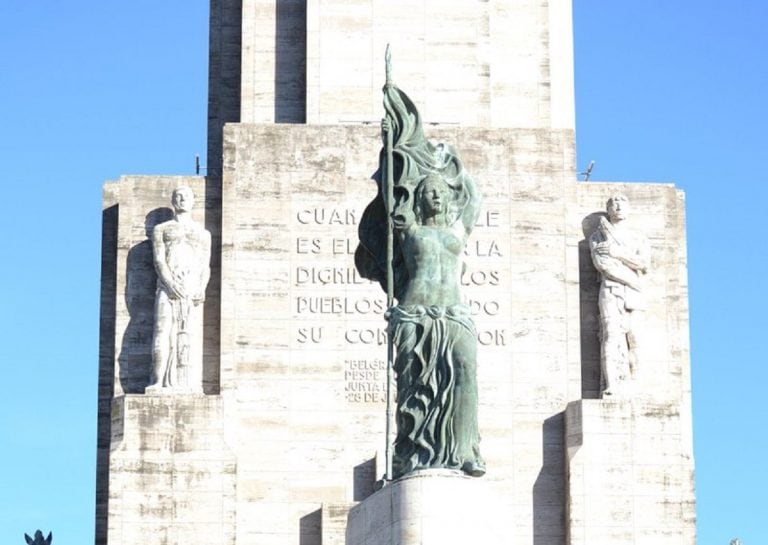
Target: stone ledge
170 423
428 507
628 474
170 469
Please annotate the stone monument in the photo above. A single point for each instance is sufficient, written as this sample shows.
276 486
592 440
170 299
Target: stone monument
182 254
288 441
434 205
621 256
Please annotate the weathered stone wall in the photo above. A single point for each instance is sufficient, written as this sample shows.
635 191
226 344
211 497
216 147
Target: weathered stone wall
224 83
303 353
294 338
172 475
224 58
303 347
493 63
630 473
274 54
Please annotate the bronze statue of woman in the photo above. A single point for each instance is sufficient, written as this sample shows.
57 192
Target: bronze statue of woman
434 208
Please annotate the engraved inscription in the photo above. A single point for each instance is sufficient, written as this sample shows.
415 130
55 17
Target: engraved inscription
328 275
365 381
339 305
489 219
480 278
328 289
309 335
483 248
327 216
370 336
493 337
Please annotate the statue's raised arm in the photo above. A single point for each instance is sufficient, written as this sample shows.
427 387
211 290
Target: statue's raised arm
466 199
472 210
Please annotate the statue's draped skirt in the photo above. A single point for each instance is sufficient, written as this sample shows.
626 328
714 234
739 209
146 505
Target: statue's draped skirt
436 365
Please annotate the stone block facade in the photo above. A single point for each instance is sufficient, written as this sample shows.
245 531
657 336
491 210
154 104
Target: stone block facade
493 63
629 474
429 508
303 343
287 441
302 360
172 477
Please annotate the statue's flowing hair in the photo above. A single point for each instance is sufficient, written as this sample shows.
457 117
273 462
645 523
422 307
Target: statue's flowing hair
414 160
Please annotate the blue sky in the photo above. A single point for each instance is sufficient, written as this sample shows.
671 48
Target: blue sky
90 90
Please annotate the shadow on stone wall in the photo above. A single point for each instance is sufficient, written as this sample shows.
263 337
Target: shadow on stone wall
291 61
106 365
589 282
549 487
364 479
135 357
224 61
212 305
310 528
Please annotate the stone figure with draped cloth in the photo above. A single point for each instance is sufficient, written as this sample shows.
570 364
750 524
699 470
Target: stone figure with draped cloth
622 257
434 208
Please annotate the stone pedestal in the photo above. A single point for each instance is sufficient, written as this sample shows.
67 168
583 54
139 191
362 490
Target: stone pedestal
431 507
172 477
629 474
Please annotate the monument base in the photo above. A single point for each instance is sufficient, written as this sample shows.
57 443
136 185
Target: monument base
629 474
429 507
172 475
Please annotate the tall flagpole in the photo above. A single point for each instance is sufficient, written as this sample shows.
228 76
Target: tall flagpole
390 275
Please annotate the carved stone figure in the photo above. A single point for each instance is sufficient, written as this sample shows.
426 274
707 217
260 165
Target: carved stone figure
621 255
182 252
434 207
